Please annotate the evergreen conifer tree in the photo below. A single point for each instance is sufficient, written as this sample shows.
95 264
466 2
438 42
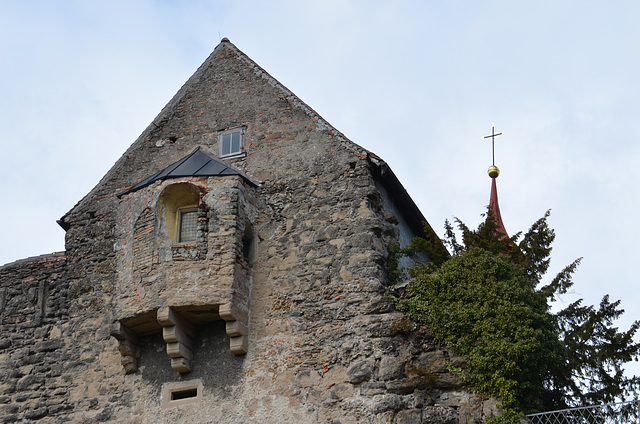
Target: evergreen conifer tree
487 301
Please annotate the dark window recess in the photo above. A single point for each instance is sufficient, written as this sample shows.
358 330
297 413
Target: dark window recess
246 247
184 394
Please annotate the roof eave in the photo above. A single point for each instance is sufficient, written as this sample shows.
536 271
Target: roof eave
388 178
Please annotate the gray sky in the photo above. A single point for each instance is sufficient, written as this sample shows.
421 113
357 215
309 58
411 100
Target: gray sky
417 82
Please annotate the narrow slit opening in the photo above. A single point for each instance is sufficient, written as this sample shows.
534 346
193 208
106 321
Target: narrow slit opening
184 394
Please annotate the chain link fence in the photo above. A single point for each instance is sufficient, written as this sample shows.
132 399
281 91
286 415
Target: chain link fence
613 413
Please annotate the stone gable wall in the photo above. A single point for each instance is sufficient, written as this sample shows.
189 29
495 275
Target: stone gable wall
325 343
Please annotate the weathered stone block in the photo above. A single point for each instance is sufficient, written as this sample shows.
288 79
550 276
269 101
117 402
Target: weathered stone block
129 363
384 418
341 391
360 371
10 409
409 416
36 414
406 385
307 378
10 418
30 381
386 402
317 396
434 361
181 365
334 375
235 329
178 350
390 368
239 345
439 415
372 388
126 348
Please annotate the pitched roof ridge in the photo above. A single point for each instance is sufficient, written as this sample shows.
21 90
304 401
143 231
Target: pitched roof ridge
205 153
321 123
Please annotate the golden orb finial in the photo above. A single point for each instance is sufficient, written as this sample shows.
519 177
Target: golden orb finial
493 171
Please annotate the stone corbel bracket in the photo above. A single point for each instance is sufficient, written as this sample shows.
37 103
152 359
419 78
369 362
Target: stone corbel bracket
236 329
178 333
128 345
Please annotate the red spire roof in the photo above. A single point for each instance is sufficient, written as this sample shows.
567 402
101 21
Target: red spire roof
494 171
495 208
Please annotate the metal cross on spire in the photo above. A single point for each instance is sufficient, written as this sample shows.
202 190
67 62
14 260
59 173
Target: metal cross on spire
493 137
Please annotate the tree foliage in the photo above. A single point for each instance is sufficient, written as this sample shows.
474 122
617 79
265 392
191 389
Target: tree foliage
487 302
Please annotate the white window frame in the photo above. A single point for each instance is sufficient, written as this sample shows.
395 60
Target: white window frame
236 153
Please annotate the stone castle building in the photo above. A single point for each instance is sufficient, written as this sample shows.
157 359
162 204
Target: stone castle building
230 267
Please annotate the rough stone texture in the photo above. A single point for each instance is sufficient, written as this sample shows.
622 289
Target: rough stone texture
293 269
33 316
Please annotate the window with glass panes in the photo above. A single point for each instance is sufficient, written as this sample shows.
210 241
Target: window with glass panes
231 142
188 226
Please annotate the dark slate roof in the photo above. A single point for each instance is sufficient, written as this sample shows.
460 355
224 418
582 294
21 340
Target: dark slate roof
197 164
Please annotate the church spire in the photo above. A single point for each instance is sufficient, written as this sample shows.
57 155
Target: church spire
493 172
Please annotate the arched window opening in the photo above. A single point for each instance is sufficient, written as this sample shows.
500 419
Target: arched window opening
179 212
183 221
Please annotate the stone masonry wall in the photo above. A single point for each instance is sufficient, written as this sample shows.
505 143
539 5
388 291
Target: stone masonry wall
325 343
33 304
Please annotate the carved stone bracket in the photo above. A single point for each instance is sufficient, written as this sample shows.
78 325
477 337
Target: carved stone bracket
178 333
236 329
128 345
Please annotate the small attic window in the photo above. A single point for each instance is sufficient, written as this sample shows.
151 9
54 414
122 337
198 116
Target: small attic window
231 142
